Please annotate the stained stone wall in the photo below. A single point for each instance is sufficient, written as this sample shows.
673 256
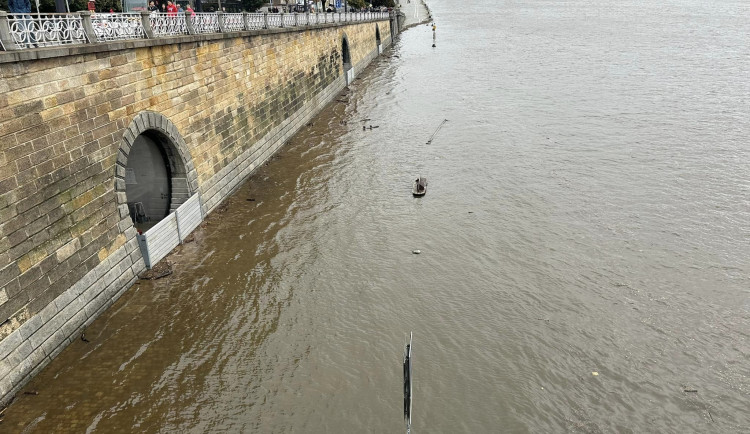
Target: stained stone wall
221 104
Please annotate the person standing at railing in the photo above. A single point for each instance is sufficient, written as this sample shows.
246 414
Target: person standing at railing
19 6
24 22
171 9
190 11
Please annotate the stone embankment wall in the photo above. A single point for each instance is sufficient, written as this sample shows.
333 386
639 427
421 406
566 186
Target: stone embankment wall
219 104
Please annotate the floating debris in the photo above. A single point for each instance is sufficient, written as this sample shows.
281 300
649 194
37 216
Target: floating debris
251 199
690 390
162 269
595 374
436 131
416 251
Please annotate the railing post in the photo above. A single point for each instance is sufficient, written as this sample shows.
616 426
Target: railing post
146 23
220 17
245 26
88 27
265 20
189 24
282 19
6 40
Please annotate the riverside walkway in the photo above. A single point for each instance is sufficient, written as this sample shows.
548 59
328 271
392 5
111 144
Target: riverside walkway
28 31
416 12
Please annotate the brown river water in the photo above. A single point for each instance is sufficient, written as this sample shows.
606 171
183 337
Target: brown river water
585 244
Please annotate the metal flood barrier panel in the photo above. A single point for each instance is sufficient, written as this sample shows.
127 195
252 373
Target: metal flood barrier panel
158 241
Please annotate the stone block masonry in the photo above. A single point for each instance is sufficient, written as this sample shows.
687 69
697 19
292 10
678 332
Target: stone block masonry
224 103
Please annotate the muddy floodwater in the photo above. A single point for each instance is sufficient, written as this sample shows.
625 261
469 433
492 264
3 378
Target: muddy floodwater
585 247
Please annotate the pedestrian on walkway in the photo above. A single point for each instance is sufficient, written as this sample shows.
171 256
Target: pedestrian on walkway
171 9
25 23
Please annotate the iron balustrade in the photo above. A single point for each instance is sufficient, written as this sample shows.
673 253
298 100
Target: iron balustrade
118 26
233 22
168 24
274 21
255 21
43 30
27 31
205 22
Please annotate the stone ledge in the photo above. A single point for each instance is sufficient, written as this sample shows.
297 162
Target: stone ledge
99 47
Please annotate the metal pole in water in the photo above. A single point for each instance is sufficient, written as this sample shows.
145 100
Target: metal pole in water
407 384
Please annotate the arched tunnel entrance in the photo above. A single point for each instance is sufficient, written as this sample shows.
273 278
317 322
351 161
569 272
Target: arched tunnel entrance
347 60
157 185
154 172
147 182
379 45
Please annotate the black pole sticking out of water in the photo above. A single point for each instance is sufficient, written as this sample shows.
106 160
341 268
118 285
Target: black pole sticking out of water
407 385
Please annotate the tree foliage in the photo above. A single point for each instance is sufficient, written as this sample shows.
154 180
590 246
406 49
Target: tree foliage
386 3
359 4
252 5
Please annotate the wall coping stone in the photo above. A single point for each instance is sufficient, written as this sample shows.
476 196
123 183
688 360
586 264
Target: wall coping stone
130 44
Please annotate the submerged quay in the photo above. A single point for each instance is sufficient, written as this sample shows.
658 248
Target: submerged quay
116 146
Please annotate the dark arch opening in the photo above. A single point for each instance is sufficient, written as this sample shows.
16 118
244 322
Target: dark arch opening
345 56
154 168
346 59
148 179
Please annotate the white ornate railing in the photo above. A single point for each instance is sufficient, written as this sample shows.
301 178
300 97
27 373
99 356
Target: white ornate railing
112 27
289 20
274 20
233 22
206 23
255 21
42 30
167 24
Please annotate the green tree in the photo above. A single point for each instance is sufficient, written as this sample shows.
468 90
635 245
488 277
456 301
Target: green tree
386 3
106 5
78 5
252 5
359 4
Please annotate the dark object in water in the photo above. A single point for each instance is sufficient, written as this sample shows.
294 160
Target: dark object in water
420 187
407 384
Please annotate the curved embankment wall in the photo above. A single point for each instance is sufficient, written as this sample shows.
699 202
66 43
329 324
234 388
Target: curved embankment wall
68 117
